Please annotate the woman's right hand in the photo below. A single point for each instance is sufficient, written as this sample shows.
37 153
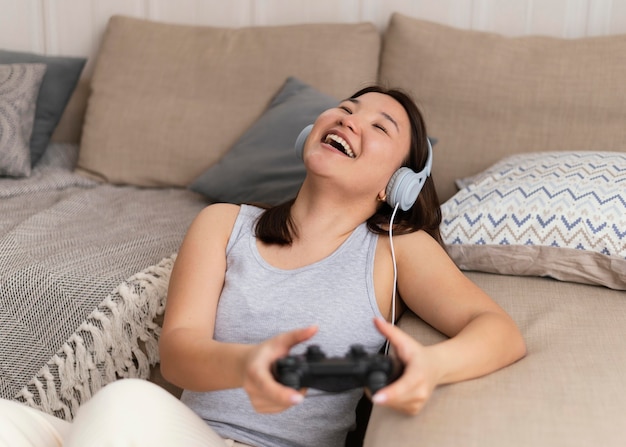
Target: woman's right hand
265 393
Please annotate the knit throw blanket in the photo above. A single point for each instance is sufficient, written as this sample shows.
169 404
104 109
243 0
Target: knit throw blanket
74 312
118 339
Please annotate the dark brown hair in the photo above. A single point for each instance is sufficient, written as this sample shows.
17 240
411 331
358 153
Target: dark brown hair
275 225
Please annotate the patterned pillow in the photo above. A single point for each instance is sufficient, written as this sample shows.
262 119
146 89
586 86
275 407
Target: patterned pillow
19 86
57 85
556 214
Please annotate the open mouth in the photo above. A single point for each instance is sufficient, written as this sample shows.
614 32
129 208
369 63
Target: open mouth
340 144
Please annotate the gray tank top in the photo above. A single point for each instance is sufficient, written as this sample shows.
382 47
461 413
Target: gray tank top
259 301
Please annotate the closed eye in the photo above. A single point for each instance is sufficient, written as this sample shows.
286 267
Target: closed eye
378 126
346 109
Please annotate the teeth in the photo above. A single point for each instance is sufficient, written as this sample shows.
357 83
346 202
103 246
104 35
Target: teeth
343 143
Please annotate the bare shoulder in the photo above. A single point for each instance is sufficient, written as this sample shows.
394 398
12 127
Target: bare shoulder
433 287
418 242
207 236
420 258
213 225
220 211
218 215
423 260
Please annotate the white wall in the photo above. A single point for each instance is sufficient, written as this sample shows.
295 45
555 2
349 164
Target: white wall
74 27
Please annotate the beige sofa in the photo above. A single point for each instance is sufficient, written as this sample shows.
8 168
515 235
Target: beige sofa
167 102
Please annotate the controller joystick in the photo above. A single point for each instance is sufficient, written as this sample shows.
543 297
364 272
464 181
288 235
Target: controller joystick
336 374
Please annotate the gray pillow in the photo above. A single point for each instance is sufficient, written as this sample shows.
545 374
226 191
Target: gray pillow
59 82
19 86
262 166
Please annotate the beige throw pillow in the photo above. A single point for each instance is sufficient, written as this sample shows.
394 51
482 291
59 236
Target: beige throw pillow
486 96
169 100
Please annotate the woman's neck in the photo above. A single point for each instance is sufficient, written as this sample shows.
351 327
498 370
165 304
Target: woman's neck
319 215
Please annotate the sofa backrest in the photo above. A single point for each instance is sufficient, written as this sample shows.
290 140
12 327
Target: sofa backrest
167 101
485 96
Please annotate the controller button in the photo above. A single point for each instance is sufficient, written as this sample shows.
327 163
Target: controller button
357 351
314 353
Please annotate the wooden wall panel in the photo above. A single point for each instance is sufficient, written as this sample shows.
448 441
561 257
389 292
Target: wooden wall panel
281 12
21 25
510 17
75 27
231 13
606 17
456 13
615 16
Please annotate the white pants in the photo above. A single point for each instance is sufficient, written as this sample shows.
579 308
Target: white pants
129 412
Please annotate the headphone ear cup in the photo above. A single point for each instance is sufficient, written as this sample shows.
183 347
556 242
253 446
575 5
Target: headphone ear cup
299 145
404 187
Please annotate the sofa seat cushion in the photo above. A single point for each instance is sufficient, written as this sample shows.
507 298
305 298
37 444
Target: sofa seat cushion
169 100
486 95
567 391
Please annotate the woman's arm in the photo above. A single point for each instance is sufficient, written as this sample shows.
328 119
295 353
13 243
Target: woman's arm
186 344
483 337
190 357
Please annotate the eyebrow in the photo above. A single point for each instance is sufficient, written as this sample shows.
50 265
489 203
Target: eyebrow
384 114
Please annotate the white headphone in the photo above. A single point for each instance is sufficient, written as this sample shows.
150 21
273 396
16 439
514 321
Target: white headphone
404 185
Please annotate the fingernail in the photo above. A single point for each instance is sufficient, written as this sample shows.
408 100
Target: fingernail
297 398
379 398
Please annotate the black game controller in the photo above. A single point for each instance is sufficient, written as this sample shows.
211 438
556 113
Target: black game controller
335 374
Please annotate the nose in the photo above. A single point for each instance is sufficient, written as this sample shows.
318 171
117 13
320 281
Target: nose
350 122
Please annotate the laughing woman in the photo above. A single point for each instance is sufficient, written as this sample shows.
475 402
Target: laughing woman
333 267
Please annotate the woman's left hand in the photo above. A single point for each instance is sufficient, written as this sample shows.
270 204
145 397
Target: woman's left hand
410 392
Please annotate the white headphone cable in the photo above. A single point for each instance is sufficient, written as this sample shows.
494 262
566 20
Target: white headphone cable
395 273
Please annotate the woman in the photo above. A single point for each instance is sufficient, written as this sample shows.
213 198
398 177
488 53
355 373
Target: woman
250 286
229 343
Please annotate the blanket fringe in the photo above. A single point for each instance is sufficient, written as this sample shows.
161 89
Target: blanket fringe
119 339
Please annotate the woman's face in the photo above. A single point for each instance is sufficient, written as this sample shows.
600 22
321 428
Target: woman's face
360 143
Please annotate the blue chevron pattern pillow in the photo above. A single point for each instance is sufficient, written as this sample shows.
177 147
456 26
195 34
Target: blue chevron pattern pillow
555 214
